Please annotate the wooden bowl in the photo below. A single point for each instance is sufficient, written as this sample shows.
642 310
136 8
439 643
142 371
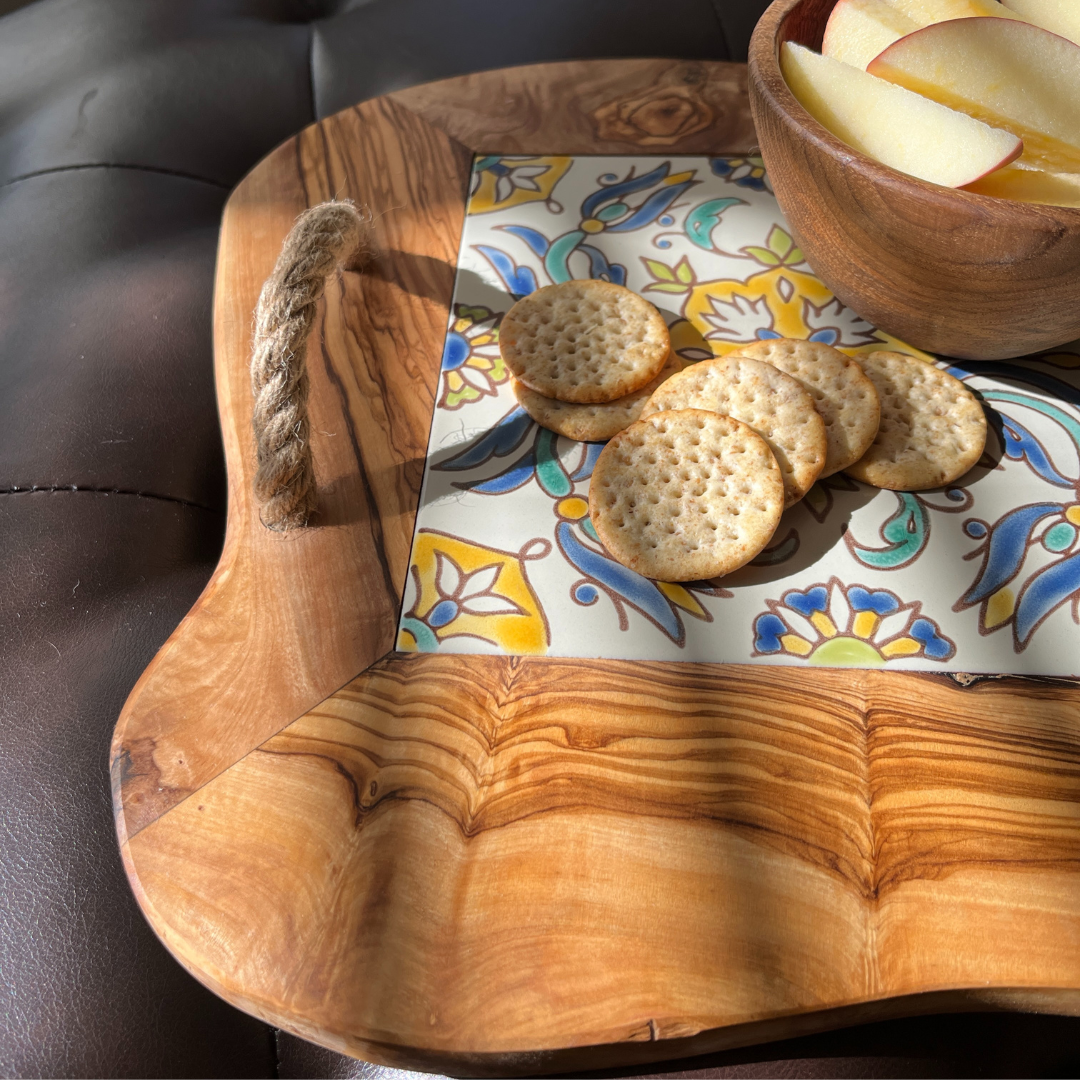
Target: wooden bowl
944 270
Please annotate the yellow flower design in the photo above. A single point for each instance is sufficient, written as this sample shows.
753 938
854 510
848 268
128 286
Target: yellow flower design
502 182
834 625
472 366
465 590
778 301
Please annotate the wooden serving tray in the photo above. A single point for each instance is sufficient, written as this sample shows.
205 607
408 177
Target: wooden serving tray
494 864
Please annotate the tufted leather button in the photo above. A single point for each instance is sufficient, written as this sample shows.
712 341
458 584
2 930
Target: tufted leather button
106 371
201 88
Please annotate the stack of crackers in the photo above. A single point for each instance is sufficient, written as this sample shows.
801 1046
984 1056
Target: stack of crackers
703 459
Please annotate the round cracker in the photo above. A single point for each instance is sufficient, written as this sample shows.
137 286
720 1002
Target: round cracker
933 428
778 407
584 341
591 423
842 393
686 495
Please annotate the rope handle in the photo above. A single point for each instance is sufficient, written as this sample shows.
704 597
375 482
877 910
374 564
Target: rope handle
323 238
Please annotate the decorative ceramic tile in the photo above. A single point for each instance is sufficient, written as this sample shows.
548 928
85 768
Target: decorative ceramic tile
980 576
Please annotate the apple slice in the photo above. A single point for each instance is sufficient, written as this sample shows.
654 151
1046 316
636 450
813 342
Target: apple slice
925 12
859 30
1058 16
1029 185
893 125
1008 74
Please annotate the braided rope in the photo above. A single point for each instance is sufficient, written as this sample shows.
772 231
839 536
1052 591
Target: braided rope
322 238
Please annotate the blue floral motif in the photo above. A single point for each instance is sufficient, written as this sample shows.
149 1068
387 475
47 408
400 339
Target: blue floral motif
588 462
539 462
747 172
535 239
455 352
1007 547
1044 593
609 209
935 647
1021 445
1006 598
519 280
880 602
607 206
806 603
443 612
848 626
1004 548
1024 559
662 603
510 479
504 438
639 592
768 629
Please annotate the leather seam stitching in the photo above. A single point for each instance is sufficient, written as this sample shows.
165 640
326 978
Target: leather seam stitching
53 489
104 165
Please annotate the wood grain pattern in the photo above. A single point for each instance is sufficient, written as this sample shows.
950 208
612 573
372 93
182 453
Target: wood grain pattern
239 668
660 106
460 862
490 864
285 621
948 271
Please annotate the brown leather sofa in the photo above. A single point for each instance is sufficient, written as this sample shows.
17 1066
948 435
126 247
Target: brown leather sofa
123 126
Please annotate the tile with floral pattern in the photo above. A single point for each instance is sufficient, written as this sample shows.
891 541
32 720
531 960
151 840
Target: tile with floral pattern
983 575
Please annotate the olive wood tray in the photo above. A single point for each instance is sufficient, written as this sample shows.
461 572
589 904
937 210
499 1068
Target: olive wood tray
501 865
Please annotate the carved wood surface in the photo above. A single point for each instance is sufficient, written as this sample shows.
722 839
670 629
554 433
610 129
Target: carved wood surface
493 865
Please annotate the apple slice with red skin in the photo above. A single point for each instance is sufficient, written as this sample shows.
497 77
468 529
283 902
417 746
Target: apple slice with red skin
1058 16
860 30
893 125
1008 74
